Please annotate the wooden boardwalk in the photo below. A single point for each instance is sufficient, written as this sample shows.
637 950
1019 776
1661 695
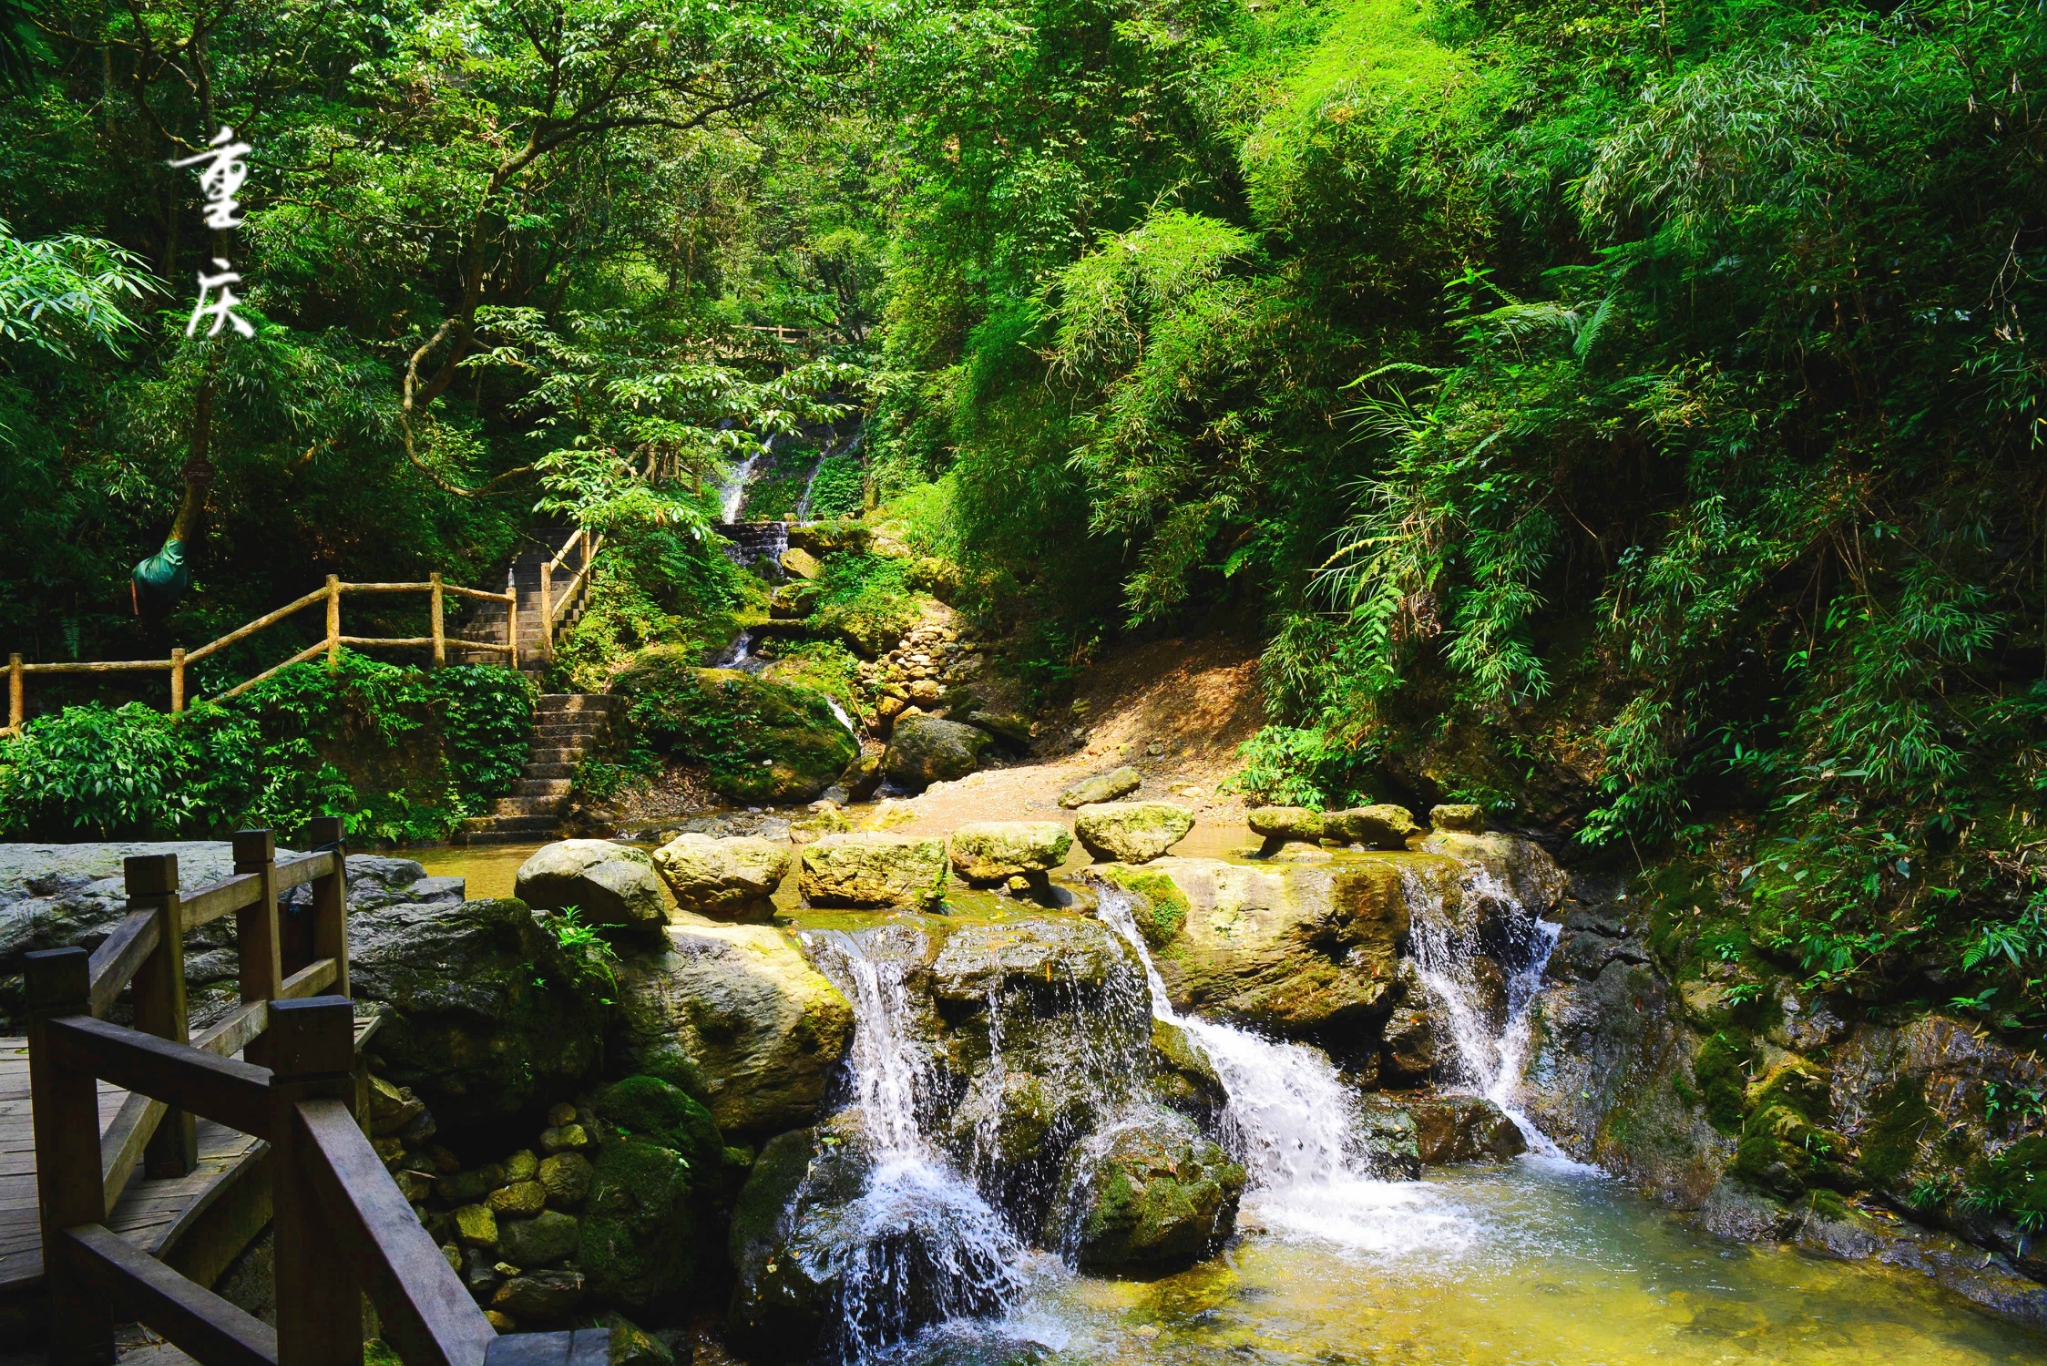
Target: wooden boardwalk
151 1214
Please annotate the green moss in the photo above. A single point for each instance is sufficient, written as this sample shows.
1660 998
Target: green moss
866 600
2012 1185
1156 902
1827 1204
1890 1144
1721 1075
650 1108
639 1244
762 742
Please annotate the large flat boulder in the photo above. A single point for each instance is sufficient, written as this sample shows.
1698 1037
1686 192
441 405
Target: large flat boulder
1101 787
990 851
486 1015
727 879
873 869
1132 832
609 884
1296 950
736 1016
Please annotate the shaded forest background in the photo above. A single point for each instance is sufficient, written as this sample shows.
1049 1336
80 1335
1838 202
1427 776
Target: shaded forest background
1624 415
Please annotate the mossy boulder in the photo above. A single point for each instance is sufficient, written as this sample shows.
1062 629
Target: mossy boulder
923 750
609 884
1388 1138
1101 787
1286 823
784 1304
1293 949
639 1245
1157 905
873 869
1186 1078
652 1109
761 742
1522 867
1380 826
1786 1146
1131 832
485 1015
543 1240
990 851
737 1017
1151 1195
727 879
1458 816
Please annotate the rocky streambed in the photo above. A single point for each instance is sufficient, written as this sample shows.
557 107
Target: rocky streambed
968 1102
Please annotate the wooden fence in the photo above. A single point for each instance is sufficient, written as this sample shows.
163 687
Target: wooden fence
438 640
553 607
342 1227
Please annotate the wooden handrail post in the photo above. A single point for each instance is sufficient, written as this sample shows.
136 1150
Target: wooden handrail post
160 998
547 608
17 692
178 681
319 1294
256 930
69 1191
333 621
512 623
435 614
330 900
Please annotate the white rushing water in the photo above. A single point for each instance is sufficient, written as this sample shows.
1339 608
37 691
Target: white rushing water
844 719
920 1242
1483 1006
1296 1122
732 493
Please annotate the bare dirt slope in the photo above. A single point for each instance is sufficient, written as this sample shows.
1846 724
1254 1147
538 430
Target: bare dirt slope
1175 710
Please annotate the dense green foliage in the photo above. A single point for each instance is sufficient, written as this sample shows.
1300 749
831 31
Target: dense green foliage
402 754
1626 417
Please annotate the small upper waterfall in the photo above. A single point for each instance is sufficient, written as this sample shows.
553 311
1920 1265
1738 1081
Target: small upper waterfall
1481 954
732 493
1294 1121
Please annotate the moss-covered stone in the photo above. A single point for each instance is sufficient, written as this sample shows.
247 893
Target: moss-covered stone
872 869
566 1179
760 741
476 1226
990 851
652 1109
927 749
540 1241
1101 787
521 1198
1186 1079
1153 1196
1157 904
1785 1147
608 883
639 1235
1381 826
1720 1079
736 1016
727 879
1132 832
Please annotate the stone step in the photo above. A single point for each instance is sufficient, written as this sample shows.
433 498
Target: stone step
496 836
554 754
542 787
548 771
578 701
529 806
579 726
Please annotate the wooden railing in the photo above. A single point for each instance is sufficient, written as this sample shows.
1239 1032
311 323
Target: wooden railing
342 1227
553 608
438 640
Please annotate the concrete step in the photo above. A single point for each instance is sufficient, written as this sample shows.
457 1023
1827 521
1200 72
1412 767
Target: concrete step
542 787
548 771
529 806
554 754
554 702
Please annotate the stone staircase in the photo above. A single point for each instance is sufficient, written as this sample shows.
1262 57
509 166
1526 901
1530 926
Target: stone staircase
566 728
486 620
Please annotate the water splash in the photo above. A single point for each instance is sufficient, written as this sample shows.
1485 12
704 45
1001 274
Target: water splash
920 1244
1481 954
1295 1123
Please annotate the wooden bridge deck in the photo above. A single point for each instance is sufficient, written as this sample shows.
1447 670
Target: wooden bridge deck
151 1213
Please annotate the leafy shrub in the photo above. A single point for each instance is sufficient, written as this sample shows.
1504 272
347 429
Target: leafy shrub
839 489
402 753
1290 766
867 599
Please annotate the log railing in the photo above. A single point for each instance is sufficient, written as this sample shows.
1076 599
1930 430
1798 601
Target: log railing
438 641
552 606
342 1227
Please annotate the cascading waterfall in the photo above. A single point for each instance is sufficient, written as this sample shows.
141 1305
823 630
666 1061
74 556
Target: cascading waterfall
732 493
1487 1018
1294 1121
920 1243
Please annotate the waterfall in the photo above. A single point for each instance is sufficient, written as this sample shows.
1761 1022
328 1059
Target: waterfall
1488 1018
732 493
844 719
919 1244
1293 1120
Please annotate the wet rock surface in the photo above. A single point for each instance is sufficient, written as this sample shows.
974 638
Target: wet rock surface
868 869
1149 1194
923 750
